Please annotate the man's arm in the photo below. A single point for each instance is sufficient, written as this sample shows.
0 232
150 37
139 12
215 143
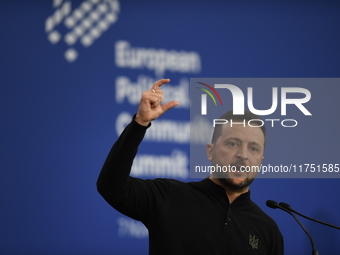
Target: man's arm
113 182
117 167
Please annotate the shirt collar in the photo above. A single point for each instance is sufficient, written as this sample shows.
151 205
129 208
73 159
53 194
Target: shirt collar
220 190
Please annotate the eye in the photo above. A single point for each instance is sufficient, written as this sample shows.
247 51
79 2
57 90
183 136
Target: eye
254 148
232 144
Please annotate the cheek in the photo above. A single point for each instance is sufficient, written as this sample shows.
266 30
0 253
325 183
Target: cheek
256 161
223 156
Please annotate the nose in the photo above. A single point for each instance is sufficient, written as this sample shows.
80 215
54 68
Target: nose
242 153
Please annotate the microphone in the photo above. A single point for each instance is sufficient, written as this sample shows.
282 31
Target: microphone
273 204
288 207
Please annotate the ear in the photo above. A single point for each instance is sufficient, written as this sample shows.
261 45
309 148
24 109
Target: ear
209 150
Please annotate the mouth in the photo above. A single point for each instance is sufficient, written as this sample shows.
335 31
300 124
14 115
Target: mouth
239 173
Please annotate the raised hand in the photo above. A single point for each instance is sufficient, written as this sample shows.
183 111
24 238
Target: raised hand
150 106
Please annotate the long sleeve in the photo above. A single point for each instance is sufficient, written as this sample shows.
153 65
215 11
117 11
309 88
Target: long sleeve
117 167
131 196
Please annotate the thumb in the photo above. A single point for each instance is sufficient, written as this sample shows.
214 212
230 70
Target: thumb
167 106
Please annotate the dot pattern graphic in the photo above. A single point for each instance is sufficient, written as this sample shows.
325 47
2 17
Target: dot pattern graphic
84 25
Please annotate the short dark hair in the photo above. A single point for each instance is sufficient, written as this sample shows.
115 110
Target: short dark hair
246 116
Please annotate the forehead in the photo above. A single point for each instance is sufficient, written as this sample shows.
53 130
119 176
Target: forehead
244 133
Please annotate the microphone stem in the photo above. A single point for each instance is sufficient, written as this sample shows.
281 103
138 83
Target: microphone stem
321 222
315 252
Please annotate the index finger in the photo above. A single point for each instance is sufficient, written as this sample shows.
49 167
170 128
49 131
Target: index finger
159 83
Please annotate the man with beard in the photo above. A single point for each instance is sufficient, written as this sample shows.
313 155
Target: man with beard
211 216
239 146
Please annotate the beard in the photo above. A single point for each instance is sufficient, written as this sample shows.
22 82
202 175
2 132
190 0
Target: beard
229 184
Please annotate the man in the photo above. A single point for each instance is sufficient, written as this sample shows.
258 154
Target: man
212 216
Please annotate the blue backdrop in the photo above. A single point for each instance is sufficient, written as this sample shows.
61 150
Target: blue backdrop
71 77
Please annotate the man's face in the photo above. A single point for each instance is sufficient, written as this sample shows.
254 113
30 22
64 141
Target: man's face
237 146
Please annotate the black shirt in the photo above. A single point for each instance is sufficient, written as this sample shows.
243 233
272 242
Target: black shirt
185 218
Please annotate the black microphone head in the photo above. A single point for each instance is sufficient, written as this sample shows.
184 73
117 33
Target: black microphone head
286 206
272 204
